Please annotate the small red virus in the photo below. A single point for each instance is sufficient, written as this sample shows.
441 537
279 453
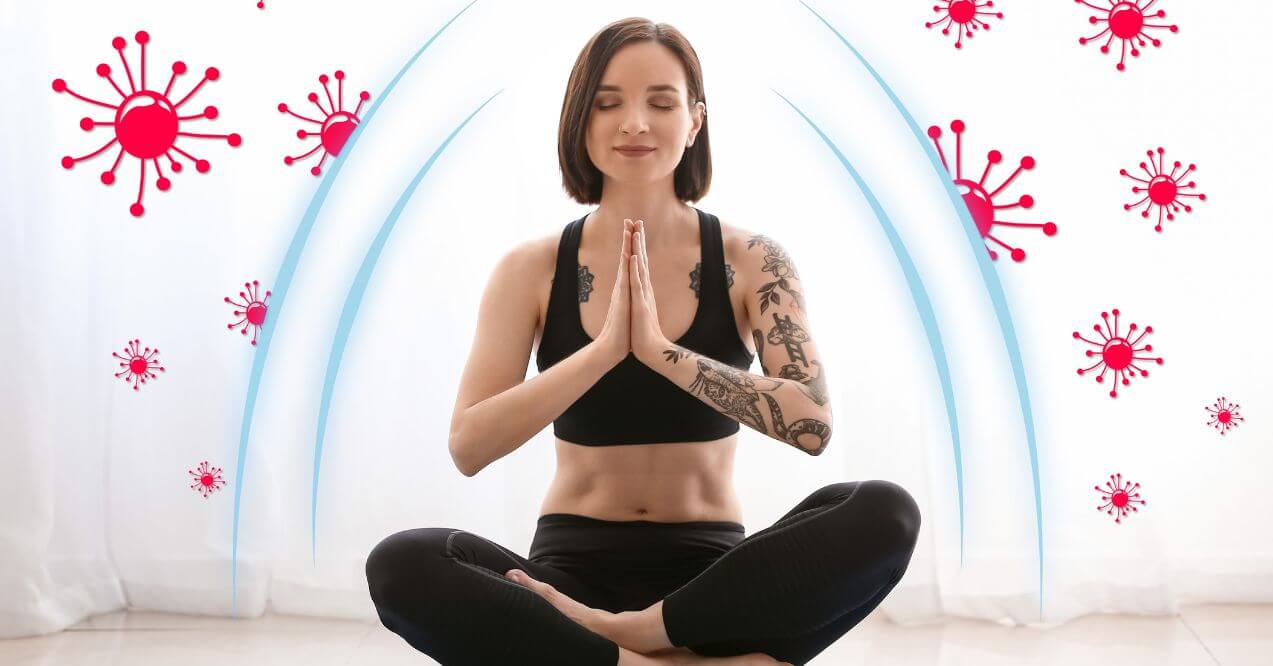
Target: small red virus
963 13
146 122
1119 498
1224 415
335 127
1126 21
981 203
1162 189
1117 353
207 479
137 366
254 309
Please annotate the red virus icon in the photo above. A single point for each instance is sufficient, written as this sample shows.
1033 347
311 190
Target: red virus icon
981 203
1162 190
207 479
146 122
1118 353
137 366
253 313
1224 415
1126 22
962 13
335 127
1119 498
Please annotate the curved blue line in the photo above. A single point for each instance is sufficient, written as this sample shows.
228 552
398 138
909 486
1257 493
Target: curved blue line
993 286
350 312
279 294
923 305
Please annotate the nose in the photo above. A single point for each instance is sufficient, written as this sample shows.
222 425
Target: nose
633 121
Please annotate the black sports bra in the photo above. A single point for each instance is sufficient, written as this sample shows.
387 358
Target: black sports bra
633 404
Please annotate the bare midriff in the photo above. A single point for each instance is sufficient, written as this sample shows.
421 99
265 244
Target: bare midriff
667 483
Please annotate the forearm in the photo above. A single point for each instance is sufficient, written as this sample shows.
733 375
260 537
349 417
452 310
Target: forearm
765 404
498 425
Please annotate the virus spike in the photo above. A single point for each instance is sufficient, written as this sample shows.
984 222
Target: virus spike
1161 190
1224 415
1124 21
146 123
207 479
1119 498
137 366
253 312
980 203
1117 353
963 14
336 125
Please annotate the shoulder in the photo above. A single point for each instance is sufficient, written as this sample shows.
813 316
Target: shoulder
750 251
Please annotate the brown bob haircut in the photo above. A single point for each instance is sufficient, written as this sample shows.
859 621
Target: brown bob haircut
581 178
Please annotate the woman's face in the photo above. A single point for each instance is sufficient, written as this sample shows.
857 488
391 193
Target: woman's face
642 101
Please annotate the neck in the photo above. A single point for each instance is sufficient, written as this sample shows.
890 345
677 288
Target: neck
667 220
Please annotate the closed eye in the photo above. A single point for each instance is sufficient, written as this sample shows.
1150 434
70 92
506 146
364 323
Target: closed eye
603 107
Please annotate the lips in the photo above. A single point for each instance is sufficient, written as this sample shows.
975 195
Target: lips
634 150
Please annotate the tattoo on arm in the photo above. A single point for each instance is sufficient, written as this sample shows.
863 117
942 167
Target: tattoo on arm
778 263
737 395
696 277
585 283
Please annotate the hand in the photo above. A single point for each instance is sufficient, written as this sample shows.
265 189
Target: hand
647 337
615 334
596 620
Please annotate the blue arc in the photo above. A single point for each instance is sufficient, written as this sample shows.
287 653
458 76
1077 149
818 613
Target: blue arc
281 284
350 312
993 286
923 304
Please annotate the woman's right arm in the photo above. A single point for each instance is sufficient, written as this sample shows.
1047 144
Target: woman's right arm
496 410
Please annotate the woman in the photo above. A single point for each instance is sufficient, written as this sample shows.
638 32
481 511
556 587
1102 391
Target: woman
639 555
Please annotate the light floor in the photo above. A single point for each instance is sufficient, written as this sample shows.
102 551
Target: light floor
1231 635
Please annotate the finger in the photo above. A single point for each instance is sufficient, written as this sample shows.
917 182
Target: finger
645 250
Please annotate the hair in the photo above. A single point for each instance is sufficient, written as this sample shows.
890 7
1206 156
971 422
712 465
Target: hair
581 178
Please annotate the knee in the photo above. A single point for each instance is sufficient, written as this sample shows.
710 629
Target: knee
896 510
402 561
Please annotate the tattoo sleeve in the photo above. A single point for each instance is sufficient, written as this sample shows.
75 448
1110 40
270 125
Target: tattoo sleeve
756 401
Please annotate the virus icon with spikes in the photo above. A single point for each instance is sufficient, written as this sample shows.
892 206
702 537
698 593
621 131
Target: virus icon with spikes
146 122
138 366
1119 498
964 15
1117 352
1161 189
207 479
336 125
254 309
1224 415
1125 21
980 202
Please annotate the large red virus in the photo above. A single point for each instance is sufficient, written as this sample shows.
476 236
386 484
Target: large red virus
1117 352
1119 498
1126 22
1162 189
336 125
980 202
137 365
964 15
146 122
1224 415
254 309
207 479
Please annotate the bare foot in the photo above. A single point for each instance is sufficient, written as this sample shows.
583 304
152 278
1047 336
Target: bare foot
684 657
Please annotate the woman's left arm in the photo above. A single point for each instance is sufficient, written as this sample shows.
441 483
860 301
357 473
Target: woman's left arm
793 392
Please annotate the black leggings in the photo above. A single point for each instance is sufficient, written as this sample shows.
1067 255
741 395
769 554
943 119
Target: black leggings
789 590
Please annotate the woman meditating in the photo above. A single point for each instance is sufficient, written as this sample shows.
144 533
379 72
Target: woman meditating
639 556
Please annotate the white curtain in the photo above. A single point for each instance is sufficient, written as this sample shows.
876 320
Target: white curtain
98 509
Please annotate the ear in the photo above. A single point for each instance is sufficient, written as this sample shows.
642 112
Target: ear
697 115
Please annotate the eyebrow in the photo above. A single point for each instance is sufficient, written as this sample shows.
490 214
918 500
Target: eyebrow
663 86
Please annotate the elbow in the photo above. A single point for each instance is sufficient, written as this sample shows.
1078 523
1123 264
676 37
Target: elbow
459 453
822 431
